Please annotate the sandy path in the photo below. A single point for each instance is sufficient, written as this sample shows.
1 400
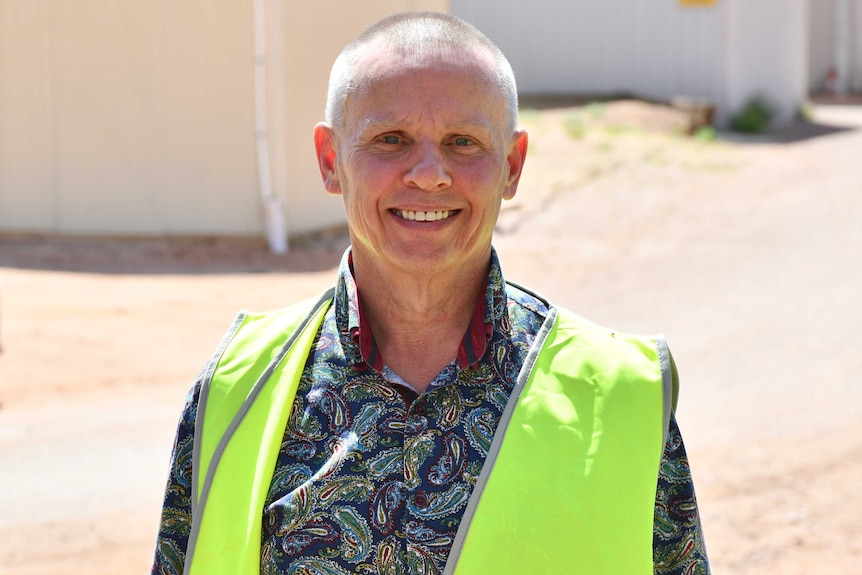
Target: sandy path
747 255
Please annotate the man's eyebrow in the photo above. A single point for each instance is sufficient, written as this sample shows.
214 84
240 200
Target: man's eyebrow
468 125
374 124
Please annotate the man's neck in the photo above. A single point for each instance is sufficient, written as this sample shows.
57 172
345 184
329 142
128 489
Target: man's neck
419 320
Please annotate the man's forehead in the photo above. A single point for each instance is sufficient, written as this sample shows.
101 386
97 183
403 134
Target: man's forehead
382 71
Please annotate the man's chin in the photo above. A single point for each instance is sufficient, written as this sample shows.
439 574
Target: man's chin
421 258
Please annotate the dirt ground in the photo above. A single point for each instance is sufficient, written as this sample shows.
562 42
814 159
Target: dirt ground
746 252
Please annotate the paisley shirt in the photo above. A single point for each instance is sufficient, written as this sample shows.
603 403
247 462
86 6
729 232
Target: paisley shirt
373 478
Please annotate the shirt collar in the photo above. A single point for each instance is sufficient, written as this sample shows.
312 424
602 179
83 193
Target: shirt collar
361 350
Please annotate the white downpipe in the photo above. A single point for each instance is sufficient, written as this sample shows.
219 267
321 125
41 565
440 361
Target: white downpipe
273 212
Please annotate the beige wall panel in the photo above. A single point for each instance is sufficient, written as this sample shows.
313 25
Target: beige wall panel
206 158
26 147
104 100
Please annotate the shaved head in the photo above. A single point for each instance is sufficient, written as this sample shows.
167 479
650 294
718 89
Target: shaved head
416 38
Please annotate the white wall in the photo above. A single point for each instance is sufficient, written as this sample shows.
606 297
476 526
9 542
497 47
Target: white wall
824 34
767 45
821 38
726 52
656 49
856 46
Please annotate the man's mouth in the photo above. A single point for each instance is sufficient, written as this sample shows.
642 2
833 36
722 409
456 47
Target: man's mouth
424 216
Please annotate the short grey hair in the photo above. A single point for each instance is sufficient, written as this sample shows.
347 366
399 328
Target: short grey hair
417 34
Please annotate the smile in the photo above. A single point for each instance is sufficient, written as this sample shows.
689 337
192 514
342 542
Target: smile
424 216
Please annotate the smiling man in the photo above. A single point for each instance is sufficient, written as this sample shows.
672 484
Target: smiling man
425 416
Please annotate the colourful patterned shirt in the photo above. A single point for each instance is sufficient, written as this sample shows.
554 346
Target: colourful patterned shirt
373 478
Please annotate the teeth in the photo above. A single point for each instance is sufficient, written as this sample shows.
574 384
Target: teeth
424 216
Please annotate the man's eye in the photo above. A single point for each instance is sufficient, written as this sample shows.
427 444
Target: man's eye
463 141
392 140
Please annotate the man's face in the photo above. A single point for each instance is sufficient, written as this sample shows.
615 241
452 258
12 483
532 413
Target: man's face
422 162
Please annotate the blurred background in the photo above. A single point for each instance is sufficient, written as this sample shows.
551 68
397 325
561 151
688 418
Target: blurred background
182 117
694 168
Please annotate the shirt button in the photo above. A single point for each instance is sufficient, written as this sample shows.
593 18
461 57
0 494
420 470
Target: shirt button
420 499
420 409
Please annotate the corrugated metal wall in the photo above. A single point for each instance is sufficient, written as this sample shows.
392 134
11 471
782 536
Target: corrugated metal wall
654 49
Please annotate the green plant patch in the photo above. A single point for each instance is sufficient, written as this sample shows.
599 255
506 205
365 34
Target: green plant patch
753 118
619 129
596 109
706 134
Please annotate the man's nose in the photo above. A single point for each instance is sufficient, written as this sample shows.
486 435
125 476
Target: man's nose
428 169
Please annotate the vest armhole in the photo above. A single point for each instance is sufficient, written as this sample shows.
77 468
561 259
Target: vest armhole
669 383
206 380
202 402
199 503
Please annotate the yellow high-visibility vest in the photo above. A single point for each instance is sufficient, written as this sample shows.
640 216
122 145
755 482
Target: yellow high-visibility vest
568 486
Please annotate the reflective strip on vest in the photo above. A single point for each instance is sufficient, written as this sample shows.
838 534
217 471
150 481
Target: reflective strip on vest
568 486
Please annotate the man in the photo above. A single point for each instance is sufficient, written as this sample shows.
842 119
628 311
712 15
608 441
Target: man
425 416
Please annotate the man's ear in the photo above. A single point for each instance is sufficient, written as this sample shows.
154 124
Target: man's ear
324 144
517 156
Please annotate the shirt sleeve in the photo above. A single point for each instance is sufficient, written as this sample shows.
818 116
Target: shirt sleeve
176 520
678 544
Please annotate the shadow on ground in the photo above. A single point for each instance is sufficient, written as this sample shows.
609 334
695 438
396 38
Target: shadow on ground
789 134
802 129
169 255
